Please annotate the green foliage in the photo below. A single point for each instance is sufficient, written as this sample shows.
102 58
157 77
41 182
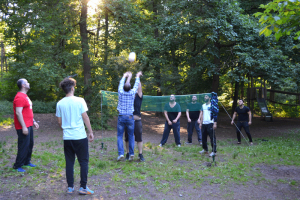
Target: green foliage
43 107
6 107
5 121
281 17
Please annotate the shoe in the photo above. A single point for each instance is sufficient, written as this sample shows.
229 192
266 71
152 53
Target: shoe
238 142
188 143
200 143
87 190
30 165
212 154
179 145
141 157
160 145
70 190
251 143
203 152
131 157
120 158
21 170
127 156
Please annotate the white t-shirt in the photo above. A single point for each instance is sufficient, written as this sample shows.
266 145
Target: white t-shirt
70 110
206 114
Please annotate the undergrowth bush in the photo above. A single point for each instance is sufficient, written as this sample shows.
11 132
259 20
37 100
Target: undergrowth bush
6 107
44 107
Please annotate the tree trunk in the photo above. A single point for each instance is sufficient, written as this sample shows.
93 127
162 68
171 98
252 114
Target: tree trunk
242 90
106 37
216 76
235 97
85 48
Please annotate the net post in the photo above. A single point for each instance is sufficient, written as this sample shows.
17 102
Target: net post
101 123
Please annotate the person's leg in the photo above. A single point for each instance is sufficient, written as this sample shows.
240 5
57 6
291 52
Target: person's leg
238 129
166 133
126 141
190 131
212 137
30 147
23 145
82 152
121 126
246 128
138 129
176 131
130 129
70 159
198 130
204 137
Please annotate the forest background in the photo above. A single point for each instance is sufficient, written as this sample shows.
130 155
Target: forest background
182 47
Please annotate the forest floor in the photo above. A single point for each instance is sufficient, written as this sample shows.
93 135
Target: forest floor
270 169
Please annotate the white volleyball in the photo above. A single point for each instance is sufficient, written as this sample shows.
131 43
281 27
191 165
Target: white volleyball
132 57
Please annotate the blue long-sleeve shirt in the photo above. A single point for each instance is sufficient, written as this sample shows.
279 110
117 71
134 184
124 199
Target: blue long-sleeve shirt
126 99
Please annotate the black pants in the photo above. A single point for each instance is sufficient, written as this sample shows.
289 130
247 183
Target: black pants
207 130
244 125
80 148
25 146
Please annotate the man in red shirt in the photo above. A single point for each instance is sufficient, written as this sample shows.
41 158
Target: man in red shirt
23 118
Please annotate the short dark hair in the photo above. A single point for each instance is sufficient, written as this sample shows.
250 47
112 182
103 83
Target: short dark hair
67 84
241 100
127 87
20 83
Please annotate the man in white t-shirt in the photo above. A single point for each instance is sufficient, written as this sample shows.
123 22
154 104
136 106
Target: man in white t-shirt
71 113
207 125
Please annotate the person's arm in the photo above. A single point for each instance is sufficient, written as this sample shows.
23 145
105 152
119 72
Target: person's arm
233 117
122 81
35 124
86 121
200 119
129 75
167 118
250 117
21 120
188 115
137 82
178 116
139 91
59 122
215 125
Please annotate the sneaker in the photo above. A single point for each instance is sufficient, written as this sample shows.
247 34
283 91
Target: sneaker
188 143
70 190
200 143
141 157
131 157
127 156
212 154
21 170
87 190
203 152
179 145
160 145
30 165
120 158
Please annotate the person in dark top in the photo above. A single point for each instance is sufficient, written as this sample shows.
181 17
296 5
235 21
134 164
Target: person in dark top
172 112
244 120
192 114
138 129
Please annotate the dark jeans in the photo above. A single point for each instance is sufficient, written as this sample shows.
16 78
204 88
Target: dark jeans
207 130
125 122
190 129
25 146
138 130
176 132
244 125
80 148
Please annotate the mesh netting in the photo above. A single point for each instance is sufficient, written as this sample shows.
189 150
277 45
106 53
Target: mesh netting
156 103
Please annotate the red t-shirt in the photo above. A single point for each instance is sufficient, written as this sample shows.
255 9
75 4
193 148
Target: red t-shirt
22 100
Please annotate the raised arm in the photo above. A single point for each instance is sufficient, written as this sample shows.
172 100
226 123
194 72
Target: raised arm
137 82
139 91
122 81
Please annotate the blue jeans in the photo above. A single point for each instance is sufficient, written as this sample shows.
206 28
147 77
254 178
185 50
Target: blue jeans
125 121
190 129
176 132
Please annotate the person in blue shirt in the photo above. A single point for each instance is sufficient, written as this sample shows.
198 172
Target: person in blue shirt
125 118
71 115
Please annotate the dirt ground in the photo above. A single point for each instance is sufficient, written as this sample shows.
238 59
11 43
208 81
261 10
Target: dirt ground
152 132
